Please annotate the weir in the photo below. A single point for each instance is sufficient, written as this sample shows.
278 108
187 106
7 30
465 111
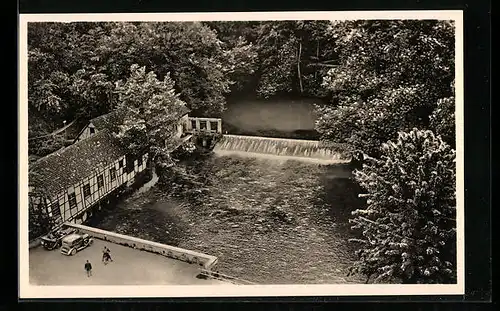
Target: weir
294 149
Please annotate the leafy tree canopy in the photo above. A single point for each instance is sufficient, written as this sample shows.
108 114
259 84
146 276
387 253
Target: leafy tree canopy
390 76
152 109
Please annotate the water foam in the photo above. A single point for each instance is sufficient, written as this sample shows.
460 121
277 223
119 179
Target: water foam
290 149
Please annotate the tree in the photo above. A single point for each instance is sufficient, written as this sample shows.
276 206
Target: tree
241 60
293 56
39 221
389 77
408 227
240 51
58 55
188 51
73 66
93 94
151 110
443 120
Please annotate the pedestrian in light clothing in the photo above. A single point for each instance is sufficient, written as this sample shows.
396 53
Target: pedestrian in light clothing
88 268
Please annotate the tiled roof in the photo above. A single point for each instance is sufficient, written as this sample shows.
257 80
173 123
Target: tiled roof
64 168
107 121
115 118
184 110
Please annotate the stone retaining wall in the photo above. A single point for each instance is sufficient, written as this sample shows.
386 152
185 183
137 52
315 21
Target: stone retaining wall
35 243
204 261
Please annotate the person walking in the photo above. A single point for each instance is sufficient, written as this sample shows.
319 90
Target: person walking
105 255
88 268
109 253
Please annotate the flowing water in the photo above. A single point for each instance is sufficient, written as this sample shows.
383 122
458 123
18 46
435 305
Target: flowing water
268 221
269 218
289 148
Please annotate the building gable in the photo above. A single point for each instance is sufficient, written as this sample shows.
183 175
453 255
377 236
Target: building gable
62 169
111 120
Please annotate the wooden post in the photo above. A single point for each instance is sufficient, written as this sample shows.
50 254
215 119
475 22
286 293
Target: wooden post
208 125
219 126
197 124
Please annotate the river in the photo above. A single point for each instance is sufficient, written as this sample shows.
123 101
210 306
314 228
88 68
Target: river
269 221
275 117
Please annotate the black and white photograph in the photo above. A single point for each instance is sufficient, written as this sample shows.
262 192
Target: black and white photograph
241 154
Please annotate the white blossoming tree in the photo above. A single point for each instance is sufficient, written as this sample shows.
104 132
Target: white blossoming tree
408 227
443 120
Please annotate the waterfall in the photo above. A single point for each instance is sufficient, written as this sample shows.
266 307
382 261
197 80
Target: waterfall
309 150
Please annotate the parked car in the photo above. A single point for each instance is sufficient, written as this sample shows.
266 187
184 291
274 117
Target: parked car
53 240
75 242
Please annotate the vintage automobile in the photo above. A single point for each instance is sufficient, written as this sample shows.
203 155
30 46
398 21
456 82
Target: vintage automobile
75 242
53 240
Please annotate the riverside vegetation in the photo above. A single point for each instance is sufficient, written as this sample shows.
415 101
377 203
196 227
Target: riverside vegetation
384 87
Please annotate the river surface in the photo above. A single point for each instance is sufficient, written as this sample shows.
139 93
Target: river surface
269 220
273 117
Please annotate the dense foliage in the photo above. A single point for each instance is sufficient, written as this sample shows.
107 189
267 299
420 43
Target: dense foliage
151 112
39 222
442 120
73 67
286 57
408 226
390 77
378 78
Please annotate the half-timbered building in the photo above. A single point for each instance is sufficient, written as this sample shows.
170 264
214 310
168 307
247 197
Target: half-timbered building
69 183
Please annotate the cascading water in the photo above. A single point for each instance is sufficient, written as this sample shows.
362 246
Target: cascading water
297 149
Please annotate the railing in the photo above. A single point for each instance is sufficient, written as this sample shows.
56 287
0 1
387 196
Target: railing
207 125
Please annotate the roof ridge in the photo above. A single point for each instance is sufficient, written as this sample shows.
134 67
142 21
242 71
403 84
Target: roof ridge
72 146
64 168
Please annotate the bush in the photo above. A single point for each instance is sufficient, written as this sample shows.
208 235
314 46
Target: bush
409 226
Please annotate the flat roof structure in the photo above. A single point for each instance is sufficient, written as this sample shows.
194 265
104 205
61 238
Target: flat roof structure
129 267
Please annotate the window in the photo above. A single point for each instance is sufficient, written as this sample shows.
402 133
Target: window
100 182
129 163
72 200
92 130
120 164
112 173
56 211
213 125
203 125
86 191
139 161
193 124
